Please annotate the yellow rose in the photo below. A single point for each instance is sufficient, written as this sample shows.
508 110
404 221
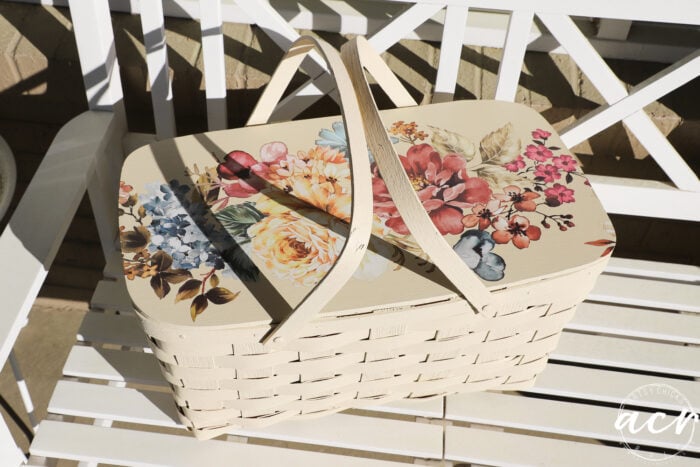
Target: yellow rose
297 246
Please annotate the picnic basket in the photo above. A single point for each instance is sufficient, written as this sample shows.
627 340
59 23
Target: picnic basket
302 268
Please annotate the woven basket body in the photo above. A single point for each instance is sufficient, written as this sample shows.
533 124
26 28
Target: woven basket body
226 233
226 378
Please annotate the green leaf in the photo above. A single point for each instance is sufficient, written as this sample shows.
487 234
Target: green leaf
237 218
237 231
135 240
241 263
199 304
497 176
188 290
220 295
214 280
175 276
500 147
446 142
244 213
160 286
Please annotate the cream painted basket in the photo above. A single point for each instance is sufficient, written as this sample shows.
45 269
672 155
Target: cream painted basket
270 288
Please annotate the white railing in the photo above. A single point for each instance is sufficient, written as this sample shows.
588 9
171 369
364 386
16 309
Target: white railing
608 29
520 25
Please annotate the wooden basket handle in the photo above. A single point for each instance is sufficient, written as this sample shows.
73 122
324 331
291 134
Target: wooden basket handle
361 221
358 55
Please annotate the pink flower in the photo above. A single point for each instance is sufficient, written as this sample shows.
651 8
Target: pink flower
538 153
548 173
516 164
482 214
541 134
522 200
560 193
442 186
124 191
517 229
273 152
565 163
244 171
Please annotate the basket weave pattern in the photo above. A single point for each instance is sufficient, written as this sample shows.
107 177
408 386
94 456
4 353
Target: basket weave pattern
226 378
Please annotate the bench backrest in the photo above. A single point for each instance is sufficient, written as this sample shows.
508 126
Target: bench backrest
640 197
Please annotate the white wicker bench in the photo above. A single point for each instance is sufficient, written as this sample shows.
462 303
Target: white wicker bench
640 326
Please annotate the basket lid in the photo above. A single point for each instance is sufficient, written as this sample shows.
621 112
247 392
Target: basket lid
232 227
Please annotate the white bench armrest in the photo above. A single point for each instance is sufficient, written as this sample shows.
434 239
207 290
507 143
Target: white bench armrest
30 241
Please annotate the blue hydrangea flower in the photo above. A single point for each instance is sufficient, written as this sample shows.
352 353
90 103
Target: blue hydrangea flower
335 139
174 232
475 250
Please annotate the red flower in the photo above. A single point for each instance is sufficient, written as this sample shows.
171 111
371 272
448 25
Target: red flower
442 185
482 214
538 153
516 164
560 193
522 200
548 173
244 171
518 229
541 134
565 163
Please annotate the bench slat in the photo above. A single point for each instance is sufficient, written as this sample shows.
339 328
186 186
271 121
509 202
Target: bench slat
609 386
113 365
636 322
107 328
509 449
214 65
112 295
653 269
153 28
645 292
628 353
559 417
131 405
135 448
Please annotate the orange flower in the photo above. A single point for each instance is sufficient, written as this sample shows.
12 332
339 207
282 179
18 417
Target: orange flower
408 130
323 154
518 229
482 214
522 200
319 176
